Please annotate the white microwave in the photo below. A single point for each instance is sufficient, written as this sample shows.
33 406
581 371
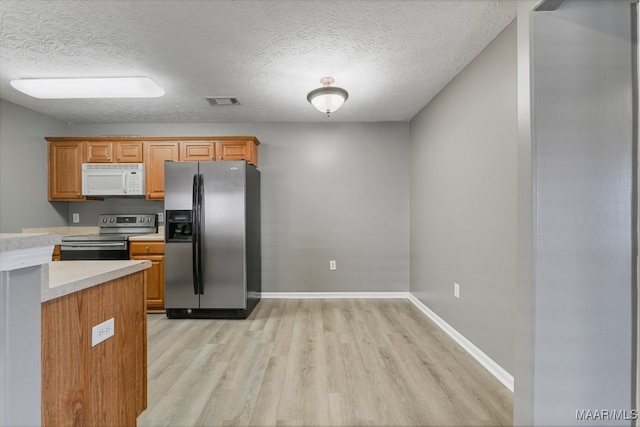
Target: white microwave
113 179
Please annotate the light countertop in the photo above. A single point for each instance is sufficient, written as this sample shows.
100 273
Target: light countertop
23 250
77 231
156 237
66 277
18 241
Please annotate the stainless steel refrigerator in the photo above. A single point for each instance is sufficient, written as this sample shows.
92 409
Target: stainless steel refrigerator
212 235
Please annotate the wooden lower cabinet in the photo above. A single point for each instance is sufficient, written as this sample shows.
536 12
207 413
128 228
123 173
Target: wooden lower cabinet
56 253
154 276
101 385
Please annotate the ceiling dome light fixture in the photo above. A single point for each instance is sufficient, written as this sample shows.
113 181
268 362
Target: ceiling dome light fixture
327 98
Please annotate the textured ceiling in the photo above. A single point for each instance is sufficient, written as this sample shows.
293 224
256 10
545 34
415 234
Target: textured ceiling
392 56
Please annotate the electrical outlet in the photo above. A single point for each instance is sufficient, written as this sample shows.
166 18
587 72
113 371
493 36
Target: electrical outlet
456 290
102 331
160 216
76 218
333 265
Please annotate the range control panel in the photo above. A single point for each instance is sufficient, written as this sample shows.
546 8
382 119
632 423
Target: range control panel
125 220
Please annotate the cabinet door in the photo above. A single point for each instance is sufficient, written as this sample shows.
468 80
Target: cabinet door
128 151
113 152
154 276
237 150
65 170
197 151
155 154
154 281
56 253
98 152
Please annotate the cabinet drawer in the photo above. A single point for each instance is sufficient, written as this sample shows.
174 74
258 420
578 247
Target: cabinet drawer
146 248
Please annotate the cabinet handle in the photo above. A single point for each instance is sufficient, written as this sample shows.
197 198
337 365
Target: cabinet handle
147 248
117 158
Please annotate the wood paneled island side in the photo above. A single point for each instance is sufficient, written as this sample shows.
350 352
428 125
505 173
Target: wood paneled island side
103 384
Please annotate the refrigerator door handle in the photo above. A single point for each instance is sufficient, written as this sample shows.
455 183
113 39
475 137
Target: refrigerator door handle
200 234
196 236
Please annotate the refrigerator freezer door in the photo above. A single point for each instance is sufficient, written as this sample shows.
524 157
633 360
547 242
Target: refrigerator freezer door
178 285
223 236
178 182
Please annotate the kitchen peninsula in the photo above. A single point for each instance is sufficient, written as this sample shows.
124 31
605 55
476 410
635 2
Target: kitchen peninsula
51 373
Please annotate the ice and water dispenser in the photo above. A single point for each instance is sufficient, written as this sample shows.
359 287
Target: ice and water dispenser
179 226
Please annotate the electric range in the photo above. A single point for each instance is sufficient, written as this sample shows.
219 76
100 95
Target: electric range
112 243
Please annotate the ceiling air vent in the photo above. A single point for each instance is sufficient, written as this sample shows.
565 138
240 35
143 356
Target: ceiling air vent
221 100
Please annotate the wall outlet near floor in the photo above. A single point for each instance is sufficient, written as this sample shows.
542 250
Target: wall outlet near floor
102 331
333 265
76 218
456 290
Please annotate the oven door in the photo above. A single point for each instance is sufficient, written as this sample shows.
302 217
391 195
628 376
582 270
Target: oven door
87 250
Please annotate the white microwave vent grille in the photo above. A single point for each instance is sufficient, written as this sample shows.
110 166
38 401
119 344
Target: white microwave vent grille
113 166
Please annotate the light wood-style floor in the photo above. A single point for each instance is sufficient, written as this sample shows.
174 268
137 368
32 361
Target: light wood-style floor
331 362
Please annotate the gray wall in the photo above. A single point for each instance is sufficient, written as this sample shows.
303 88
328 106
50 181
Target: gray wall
329 191
23 170
463 200
582 260
524 337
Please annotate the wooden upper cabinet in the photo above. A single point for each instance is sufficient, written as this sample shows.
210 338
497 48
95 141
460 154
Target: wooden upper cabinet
66 155
113 152
238 150
220 148
128 151
65 170
197 151
98 152
155 154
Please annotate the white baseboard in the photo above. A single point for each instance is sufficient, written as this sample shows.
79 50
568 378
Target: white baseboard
334 295
496 370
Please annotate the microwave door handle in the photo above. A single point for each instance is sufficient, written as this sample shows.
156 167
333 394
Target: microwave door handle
125 182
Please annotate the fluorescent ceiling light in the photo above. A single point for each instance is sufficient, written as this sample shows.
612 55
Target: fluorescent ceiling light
107 87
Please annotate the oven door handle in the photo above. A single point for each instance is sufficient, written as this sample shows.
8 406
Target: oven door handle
93 245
